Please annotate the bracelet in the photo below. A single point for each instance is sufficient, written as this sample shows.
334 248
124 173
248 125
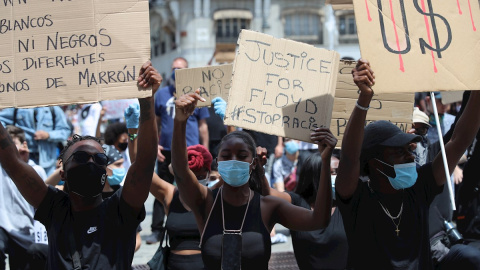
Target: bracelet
132 136
361 107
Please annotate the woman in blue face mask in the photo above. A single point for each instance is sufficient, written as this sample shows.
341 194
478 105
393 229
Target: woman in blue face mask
235 220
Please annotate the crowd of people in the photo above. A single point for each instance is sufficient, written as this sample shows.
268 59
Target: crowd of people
73 186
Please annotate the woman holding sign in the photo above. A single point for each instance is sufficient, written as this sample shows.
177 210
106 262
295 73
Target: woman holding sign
386 217
236 220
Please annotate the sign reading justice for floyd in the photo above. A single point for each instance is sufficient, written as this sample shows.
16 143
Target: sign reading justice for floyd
71 51
420 45
281 87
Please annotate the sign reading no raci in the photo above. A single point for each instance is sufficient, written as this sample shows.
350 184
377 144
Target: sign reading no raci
420 45
75 51
281 87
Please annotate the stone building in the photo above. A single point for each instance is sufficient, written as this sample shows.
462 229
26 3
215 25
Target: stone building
206 31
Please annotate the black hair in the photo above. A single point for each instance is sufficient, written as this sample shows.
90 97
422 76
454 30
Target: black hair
254 182
309 178
113 131
75 138
16 132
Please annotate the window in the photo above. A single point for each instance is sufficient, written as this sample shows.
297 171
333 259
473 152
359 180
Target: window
305 27
347 29
228 29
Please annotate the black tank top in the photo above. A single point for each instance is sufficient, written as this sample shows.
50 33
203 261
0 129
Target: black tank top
181 226
256 244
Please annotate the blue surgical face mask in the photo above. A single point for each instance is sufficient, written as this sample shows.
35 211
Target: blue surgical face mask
406 175
291 147
235 173
117 176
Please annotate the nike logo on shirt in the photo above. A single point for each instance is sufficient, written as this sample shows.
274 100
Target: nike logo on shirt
92 230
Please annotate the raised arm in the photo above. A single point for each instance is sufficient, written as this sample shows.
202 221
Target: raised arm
28 182
299 218
349 166
192 192
463 134
139 176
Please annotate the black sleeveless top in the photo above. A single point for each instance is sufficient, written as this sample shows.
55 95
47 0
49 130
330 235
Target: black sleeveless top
181 226
256 244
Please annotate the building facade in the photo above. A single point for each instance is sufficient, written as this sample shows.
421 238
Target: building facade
206 31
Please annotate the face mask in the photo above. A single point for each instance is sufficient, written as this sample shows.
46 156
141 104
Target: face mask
406 175
117 177
334 177
86 180
212 183
122 146
291 147
173 74
235 173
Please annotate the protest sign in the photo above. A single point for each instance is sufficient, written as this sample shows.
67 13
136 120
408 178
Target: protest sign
281 87
394 107
213 81
340 4
62 52
452 96
420 45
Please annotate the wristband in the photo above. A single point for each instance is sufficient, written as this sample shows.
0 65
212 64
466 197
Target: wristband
361 107
132 136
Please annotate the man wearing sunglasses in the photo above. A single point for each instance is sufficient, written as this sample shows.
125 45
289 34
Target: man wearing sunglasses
83 230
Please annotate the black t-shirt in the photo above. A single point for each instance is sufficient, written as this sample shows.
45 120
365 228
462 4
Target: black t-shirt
320 249
104 236
373 242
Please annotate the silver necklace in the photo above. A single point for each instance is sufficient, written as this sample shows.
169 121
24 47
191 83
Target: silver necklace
239 231
399 216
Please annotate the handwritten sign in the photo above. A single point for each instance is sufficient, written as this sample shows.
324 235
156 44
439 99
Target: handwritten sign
281 87
394 107
420 45
213 81
62 52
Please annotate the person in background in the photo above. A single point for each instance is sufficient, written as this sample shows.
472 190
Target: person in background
44 128
198 134
88 117
386 216
16 214
244 237
284 169
320 249
420 127
83 229
116 134
446 119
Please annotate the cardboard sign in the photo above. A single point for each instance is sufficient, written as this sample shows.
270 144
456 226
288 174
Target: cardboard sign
62 52
452 96
281 87
420 45
213 81
394 107
340 4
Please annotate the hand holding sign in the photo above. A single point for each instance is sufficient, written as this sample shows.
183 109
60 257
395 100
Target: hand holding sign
325 140
364 77
149 76
185 105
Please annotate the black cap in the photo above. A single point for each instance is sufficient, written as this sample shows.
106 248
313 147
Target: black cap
384 133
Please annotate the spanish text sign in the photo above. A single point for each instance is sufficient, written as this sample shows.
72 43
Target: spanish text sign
213 81
420 45
394 107
281 87
61 52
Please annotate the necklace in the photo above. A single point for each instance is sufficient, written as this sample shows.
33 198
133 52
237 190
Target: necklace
399 216
239 231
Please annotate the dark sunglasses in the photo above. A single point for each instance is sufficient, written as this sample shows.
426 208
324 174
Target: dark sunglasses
83 157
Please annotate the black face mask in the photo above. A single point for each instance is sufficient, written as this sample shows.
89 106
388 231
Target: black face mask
86 180
122 146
